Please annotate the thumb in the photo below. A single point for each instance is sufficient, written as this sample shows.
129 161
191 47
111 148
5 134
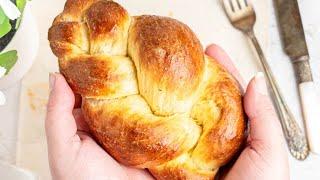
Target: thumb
265 129
60 124
265 156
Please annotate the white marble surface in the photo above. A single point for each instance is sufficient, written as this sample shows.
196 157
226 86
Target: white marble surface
8 121
308 169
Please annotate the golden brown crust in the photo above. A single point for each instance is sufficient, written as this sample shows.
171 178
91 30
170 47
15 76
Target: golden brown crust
68 34
63 50
219 112
169 58
143 139
181 171
100 25
169 51
108 25
223 134
100 76
102 17
150 96
73 11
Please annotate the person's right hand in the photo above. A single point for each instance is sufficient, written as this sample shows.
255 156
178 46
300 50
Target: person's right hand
264 157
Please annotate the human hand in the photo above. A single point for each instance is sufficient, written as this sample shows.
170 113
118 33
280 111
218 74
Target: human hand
73 154
264 156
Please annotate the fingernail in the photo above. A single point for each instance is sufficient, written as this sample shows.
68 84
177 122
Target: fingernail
52 80
261 84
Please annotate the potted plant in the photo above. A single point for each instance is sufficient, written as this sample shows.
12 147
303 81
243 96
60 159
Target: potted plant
19 41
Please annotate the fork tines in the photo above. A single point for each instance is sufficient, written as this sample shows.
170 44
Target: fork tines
236 9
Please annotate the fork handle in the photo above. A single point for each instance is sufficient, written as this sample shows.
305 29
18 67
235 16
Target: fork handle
294 136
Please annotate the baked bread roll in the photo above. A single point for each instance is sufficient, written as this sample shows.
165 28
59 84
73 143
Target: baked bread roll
151 98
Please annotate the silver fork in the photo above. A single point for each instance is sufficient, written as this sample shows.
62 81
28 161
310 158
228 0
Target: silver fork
243 17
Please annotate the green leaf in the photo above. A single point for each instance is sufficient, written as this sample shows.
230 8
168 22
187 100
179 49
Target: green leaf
2 15
8 60
20 5
5 27
18 22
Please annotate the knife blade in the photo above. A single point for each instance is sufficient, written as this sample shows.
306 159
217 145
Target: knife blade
292 29
295 46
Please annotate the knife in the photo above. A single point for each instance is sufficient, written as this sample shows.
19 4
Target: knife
295 46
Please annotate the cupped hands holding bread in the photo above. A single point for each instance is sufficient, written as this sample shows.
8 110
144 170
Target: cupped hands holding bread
152 100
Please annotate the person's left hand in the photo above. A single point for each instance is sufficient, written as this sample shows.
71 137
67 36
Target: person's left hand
73 154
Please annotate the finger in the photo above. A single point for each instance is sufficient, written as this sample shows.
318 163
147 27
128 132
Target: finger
60 124
265 129
221 56
81 123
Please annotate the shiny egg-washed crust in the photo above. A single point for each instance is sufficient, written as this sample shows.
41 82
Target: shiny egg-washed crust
151 98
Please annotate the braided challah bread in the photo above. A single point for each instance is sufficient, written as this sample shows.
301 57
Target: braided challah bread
151 98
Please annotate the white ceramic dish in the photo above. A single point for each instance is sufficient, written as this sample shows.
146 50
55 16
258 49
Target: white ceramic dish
26 42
